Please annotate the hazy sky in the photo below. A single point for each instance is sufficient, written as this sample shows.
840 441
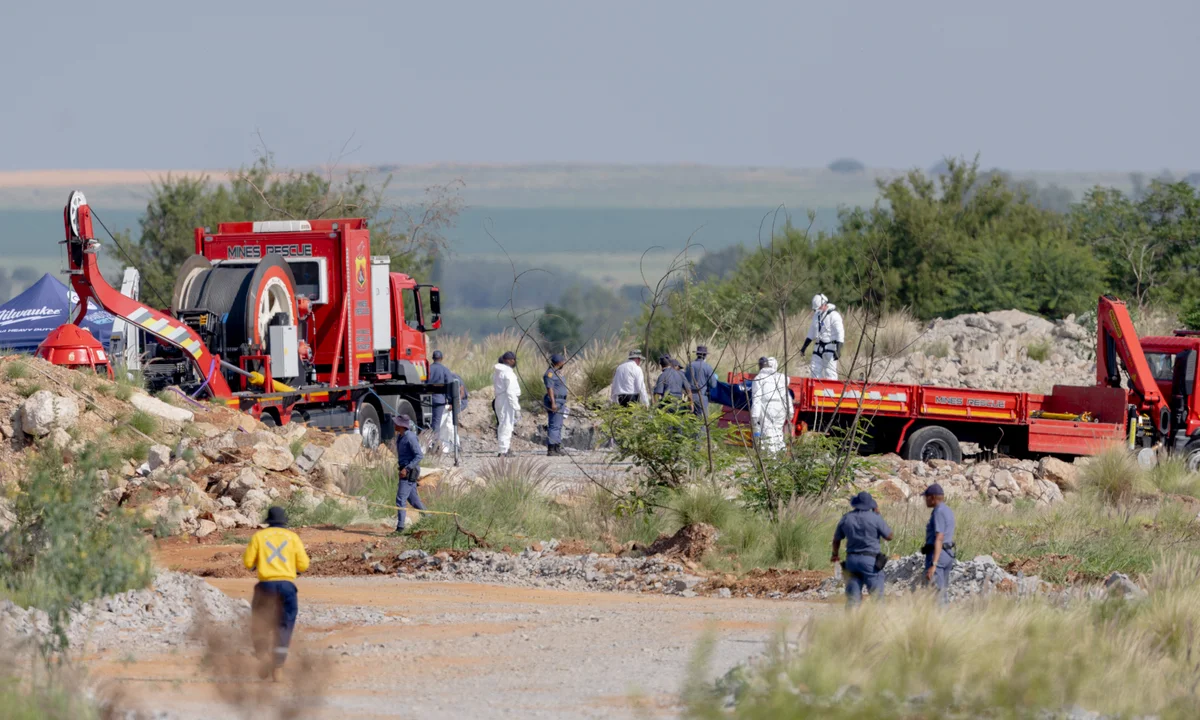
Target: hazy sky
1052 84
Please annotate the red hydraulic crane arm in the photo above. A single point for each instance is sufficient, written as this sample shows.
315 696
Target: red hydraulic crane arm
1116 338
88 282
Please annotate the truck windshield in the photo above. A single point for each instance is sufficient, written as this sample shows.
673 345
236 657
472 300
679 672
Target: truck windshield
1162 366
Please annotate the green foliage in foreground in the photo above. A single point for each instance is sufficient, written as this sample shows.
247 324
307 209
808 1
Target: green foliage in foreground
994 658
669 446
64 549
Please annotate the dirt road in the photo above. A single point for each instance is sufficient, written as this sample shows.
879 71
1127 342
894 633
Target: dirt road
455 650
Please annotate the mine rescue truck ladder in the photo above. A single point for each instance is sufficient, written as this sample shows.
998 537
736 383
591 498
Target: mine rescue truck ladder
89 282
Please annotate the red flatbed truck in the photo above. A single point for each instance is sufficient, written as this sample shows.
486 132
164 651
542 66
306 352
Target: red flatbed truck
1158 406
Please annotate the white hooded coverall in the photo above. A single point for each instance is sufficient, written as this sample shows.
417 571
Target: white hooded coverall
507 403
445 431
769 406
825 331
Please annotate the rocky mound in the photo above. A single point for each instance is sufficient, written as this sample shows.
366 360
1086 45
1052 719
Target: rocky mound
189 467
1002 350
1000 481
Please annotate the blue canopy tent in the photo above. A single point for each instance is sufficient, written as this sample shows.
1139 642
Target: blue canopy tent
27 319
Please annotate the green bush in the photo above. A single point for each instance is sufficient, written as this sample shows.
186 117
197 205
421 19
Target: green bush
1114 475
143 422
16 370
1171 476
806 468
1039 350
668 446
62 550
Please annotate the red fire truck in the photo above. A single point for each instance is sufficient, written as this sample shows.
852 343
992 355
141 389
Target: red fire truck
289 320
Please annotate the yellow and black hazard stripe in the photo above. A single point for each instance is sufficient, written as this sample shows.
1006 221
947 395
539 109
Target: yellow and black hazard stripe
165 328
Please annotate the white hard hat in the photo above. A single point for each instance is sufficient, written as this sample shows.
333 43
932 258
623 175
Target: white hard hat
818 301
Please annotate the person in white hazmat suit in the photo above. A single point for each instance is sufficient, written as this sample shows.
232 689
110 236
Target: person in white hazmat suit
828 332
770 408
447 433
507 405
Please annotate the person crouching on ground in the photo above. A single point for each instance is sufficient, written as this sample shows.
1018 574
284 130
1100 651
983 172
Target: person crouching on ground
409 456
278 555
861 528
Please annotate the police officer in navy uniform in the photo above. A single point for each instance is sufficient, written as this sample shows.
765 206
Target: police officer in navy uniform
671 387
939 547
701 379
555 402
862 529
439 374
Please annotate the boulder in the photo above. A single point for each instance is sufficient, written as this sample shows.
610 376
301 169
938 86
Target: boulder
691 542
60 438
160 456
205 528
229 519
246 481
1119 585
272 457
43 411
345 446
893 490
158 408
308 457
206 430
1062 474
254 504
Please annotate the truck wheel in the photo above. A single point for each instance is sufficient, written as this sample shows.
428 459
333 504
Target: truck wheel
368 426
1191 455
932 443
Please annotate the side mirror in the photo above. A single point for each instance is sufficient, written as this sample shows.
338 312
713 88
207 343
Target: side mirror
435 308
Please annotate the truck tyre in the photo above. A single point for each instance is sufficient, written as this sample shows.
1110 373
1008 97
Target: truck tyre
1191 455
368 426
932 443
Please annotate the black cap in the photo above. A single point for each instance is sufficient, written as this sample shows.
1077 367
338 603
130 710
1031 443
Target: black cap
762 361
276 516
557 359
437 355
509 355
701 350
664 360
934 489
402 420
863 501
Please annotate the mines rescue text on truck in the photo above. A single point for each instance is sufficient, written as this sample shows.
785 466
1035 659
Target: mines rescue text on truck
290 321
1159 405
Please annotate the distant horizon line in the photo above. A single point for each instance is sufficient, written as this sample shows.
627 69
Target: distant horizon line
60 177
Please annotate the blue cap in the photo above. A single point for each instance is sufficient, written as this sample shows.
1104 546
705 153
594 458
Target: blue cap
403 421
555 359
863 501
934 489
510 355
437 355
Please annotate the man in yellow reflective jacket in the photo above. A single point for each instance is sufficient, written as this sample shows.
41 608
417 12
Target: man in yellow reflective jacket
278 555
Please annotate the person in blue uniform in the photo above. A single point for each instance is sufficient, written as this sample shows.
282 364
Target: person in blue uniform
939 547
555 402
701 380
439 374
861 528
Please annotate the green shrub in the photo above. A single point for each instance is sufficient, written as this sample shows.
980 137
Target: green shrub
328 512
1114 475
1171 476
939 349
805 468
27 389
666 445
16 370
144 422
701 503
62 550
1039 350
